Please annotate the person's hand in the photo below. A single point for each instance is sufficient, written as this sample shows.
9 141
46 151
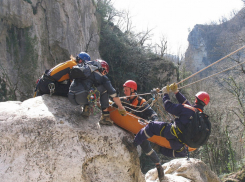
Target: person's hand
122 111
166 89
155 91
174 87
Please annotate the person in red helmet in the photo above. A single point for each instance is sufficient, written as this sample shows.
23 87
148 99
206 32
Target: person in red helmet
184 112
130 88
138 103
79 90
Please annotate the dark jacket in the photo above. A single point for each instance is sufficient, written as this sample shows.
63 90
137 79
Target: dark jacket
181 110
135 103
95 79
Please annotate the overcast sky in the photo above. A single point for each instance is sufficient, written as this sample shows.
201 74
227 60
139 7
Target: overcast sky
174 18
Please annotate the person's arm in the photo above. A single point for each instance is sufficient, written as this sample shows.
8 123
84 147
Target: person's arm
118 103
149 112
181 98
170 107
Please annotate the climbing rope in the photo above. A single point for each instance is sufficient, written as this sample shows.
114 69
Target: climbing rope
212 64
212 75
159 93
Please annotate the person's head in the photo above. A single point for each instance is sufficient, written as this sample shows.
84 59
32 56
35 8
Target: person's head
82 57
202 98
104 66
129 87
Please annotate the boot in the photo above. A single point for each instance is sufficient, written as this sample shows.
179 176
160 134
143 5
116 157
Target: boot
86 111
160 172
105 119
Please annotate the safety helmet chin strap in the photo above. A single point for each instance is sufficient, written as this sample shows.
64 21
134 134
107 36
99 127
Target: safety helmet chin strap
198 101
132 92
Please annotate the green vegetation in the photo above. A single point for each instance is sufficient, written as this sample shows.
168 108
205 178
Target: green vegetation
21 47
127 56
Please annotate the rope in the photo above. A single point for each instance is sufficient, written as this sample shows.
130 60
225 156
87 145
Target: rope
134 95
185 80
212 75
137 110
211 64
198 71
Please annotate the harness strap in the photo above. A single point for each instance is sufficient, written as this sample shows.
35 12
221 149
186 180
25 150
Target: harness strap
175 131
162 130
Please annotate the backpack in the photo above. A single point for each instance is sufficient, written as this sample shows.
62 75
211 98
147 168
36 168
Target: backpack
82 71
197 131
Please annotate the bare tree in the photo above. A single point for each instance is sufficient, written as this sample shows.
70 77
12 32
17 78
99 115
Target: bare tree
162 46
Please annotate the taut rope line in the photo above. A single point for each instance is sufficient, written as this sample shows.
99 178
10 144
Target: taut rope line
201 71
212 75
212 64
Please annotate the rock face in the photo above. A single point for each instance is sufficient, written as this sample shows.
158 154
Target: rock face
185 171
47 139
209 43
35 35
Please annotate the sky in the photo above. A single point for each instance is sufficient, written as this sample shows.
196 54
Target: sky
174 19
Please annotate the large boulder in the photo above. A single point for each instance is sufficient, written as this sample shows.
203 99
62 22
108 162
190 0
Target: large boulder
46 139
192 170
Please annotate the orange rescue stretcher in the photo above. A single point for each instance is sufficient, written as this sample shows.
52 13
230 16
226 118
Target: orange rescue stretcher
131 123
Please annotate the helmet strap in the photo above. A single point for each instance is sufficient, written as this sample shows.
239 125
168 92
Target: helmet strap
199 102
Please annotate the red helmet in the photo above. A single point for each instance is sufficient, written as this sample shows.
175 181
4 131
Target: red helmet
131 84
203 96
104 64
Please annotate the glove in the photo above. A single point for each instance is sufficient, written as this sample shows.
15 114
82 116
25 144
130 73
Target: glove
174 87
166 90
123 112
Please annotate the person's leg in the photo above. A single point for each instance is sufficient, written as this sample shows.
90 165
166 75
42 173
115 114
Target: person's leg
104 101
147 149
153 128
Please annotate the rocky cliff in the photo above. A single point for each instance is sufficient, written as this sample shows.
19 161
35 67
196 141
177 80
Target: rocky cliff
46 139
38 34
209 43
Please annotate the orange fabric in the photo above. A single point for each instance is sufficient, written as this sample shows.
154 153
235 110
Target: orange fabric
61 71
136 101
